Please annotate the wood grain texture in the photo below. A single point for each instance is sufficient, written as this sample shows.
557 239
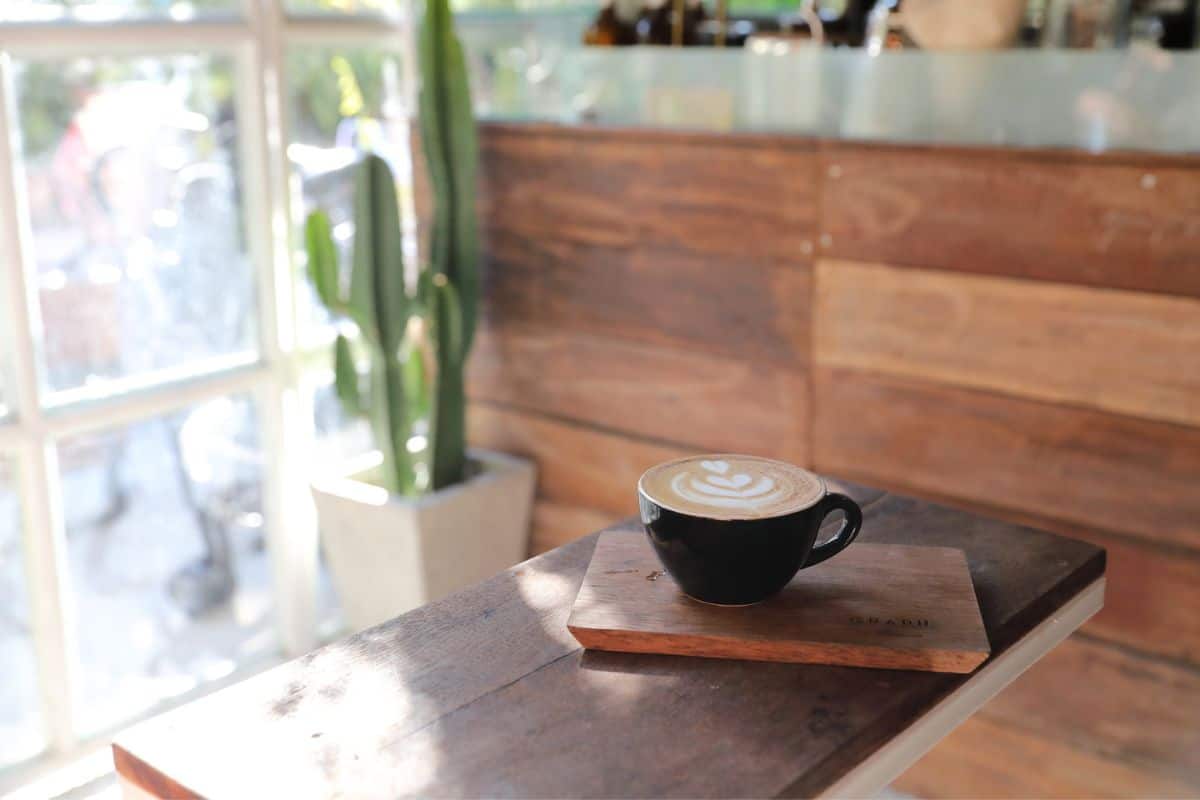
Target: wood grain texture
1151 599
328 724
652 239
138 776
693 399
1074 221
709 194
1092 720
485 694
650 293
1084 466
1123 706
1127 352
985 759
703 243
577 466
878 606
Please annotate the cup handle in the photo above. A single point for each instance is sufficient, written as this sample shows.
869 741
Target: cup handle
851 525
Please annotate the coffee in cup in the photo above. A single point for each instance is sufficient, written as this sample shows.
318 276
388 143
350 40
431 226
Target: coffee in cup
733 529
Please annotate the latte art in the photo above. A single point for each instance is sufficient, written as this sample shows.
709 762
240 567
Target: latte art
740 491
731 487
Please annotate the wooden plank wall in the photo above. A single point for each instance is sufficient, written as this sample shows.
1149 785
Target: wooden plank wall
645 298
1012 332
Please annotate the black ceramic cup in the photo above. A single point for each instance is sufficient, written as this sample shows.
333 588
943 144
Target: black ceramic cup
724 557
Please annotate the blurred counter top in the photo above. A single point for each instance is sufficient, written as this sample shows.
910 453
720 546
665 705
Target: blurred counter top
1138 99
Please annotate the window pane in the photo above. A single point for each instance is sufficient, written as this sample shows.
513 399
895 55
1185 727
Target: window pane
338 438
20 729
167 556
342 103
132 182
109 10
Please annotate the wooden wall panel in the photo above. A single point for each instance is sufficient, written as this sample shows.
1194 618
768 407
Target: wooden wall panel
710 194
577 467
665 239
652 294
1090 467
1151 599
693 399
555 524
587 479
1071 220
1120 351
1120 705
987 760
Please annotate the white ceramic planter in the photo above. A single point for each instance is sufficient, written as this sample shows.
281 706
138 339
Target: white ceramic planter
390 554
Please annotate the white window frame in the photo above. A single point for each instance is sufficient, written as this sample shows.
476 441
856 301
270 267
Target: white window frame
256 42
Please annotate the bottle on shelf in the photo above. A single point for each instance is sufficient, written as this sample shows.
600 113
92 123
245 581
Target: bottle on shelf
616 25
657 23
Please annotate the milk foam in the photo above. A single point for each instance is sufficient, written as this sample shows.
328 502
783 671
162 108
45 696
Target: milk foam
731 487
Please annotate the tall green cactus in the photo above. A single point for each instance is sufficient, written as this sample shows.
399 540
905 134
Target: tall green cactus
397 386
378 304
449 139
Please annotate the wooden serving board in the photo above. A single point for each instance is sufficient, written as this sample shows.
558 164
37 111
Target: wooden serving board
875 605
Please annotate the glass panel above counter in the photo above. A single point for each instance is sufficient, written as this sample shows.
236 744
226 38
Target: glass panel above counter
531 66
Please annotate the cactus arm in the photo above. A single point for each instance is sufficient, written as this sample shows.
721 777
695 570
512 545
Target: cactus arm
450 141
322 260
378 302
433 143
381 307
388 422
464 155
451 319
392 306
346 378
416 370
361 303
449 443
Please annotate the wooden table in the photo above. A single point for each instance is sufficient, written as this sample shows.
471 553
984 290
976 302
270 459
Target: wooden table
486 694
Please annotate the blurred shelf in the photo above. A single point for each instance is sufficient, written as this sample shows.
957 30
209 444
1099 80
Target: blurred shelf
532 69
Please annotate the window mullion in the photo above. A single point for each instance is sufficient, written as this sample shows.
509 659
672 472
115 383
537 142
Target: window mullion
287 423
153 401
43 530
45 563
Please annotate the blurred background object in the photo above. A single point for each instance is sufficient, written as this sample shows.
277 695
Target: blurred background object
928 24
949 25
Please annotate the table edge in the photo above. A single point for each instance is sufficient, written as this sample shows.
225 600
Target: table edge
153 782
889 761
